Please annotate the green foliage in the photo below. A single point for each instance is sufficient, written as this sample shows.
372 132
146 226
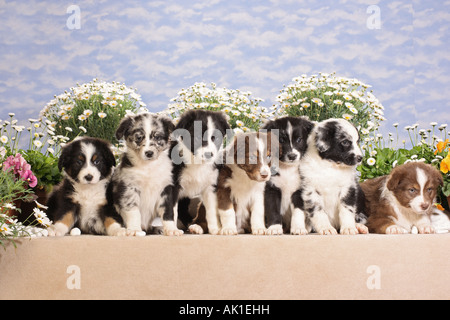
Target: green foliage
45 167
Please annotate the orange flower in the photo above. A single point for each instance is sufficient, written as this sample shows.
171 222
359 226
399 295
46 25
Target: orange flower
441 146
439 207
445 164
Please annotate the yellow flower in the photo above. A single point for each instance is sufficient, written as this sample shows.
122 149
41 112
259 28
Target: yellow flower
441 146
445 164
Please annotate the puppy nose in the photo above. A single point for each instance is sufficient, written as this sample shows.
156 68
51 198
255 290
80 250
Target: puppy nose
149 154
88 177
292 156
359 158
424 206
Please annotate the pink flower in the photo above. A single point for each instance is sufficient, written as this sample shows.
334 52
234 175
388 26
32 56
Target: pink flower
29 177
20 168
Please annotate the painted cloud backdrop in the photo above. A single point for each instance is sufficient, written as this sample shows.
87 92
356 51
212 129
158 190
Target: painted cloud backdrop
160 47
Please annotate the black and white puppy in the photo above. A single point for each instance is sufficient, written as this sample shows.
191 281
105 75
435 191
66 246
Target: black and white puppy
197 147
80 200
331 195
282 195
142 183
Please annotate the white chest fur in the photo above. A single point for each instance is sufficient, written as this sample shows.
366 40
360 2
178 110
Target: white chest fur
150 178
330 180
288 181
90 198
196 178
247 196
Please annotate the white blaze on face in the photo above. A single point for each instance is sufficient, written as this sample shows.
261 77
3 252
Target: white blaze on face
89 173
208 152
349 128
262 151
290 133
419 201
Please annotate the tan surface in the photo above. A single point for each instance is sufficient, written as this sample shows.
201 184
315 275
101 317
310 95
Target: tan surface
234 267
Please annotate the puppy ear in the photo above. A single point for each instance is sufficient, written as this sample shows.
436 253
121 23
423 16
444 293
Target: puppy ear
394 179
168 123
224 123
323 135
438 177
109 156
64 158
124 125
308 125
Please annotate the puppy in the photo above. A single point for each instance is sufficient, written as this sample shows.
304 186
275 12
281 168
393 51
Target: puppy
80 200
241 183
198 140
403 199
282 199
331 195
142 183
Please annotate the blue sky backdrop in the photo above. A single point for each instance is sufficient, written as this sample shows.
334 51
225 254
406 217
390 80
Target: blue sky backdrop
160 47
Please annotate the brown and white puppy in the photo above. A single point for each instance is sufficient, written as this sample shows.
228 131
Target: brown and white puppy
403 199
241 183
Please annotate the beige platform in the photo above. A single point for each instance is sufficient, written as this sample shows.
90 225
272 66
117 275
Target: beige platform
220 267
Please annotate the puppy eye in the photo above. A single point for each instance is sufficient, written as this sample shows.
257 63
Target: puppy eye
430 190
80 162
412 190
298 140
96 162
346 143
139 138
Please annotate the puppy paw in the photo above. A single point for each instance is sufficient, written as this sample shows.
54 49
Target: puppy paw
275 230
348 231
195 229
118 232
426 230
213 231
395 230
328 231
259 231
362 229
135 233
56 230
173 232
228 231
299 231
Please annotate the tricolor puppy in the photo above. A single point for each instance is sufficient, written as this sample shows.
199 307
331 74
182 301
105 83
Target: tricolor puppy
142 183
331 194
282 198
80 200
198 140
403 199
241 183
